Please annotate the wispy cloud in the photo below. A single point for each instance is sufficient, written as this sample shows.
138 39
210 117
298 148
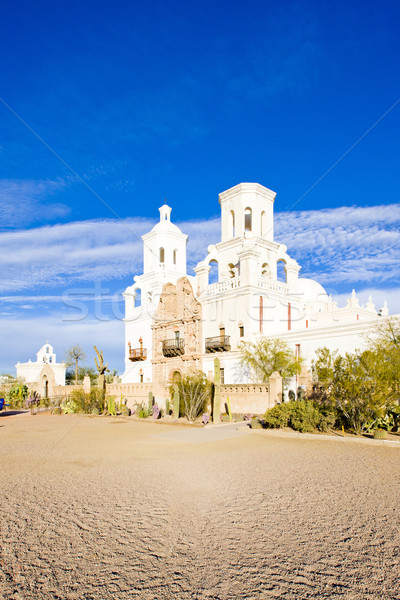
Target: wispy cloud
24 202
355 246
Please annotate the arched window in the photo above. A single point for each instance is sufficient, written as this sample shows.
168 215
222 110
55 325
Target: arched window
138 297
263 223
213 274
233 222
247 219
281 270
233 270
162 255
174 256
265 271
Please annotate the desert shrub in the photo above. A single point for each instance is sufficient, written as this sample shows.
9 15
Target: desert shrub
17 395
278 416
301 415
142 411
304 416
194 394
126 412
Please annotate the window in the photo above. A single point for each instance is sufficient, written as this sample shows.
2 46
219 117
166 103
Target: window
247 219
175 254
141 377
222 376
213 274
162 255
177 335
263 223
241 331
281 270
222 332
233 222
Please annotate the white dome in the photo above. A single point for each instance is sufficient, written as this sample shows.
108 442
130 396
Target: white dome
165 225
311 290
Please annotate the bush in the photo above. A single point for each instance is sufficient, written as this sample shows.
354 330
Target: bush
277 417
142 412
304 416
301 415
194 394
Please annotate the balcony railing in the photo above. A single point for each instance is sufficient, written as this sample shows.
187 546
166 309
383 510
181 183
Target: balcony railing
137 354
220 343
174 347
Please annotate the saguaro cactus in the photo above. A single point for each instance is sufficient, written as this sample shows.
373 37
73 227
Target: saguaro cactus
150 404
217 392
228 404
176 402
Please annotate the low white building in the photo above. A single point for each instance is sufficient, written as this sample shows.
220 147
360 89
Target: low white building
183 321
44 373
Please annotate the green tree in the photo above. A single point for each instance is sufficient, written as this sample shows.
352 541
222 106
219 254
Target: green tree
384 347
354 385
267 355
73 356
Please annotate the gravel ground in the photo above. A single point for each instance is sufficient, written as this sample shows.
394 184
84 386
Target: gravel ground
109 508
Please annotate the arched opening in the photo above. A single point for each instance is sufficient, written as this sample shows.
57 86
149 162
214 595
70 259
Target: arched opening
247 219
46 388
213 274
266 271
175 256
138 297
176 377
281 270
263 223
233 270
162 255
233 223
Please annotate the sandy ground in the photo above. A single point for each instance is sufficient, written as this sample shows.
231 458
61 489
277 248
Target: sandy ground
98 508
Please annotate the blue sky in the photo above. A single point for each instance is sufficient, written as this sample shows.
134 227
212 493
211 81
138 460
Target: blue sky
108 108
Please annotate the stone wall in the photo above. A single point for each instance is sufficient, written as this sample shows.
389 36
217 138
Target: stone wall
246 398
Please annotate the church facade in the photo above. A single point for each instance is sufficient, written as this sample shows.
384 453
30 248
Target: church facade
44 374
175 321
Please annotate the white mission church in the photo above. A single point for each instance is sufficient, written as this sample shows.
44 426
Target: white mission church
174 321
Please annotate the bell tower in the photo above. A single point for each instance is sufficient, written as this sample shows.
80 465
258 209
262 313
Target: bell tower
247 210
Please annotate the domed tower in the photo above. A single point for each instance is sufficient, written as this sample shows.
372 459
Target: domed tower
164 248
164 261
